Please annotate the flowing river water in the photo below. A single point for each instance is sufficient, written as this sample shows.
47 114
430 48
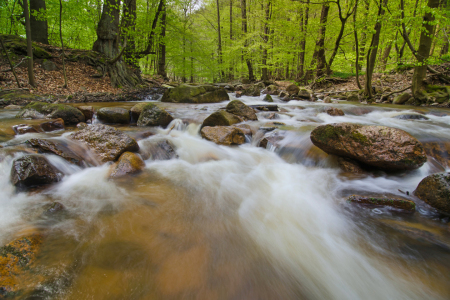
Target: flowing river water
233 222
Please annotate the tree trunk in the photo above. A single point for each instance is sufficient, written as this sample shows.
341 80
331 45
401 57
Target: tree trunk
355 32
251 77
10 62
108 43
362 52
230 76
372 53
39 26
162 46
265 76
319 50
385 57
426 39
304 28
129 28
219 42
31 80
62 43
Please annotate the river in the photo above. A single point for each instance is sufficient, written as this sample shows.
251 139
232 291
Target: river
234 222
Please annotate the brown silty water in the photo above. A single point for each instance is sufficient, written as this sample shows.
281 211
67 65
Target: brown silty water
243 222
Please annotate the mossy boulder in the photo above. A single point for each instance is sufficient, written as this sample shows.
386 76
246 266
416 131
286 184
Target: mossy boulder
114 115
402 98
268 98
333 111
128 163
238 108
136 111
398 203
152 115
221 118
18 97
195 94
272 90
42 110
105 141
251 90
435 191
223 135
381 147
292 89
32 170
18 45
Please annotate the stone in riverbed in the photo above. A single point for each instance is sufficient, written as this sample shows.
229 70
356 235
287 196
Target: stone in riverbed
136 110
54 125
221 118
105 141
114 115
157 149
398 203
223 135
402 98
268 98
56 147
32 170
411 117
378 146
292 89
195 94
153 115
88 112
238 108
128 163
435 191
25 128
42 110
15 259
333 111
350 166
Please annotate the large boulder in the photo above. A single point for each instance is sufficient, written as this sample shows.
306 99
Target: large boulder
105 141
31 170
378 146
195 94
221 118
292 89
238 108
153 115
402 98
42 110
128 163
114 115
88 112
251 90
223 135
435 190
56 147
136 110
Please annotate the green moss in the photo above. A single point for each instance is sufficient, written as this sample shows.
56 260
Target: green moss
360 138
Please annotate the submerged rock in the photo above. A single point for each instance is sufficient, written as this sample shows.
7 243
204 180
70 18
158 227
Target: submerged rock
378 146
157 149
32 170
221 118
15 259
25 128
128 163
195 94
57 124
435 191
411 117
153 115
333 111
398 203
56 147
107 142
42 110
223 135
238 108
114 115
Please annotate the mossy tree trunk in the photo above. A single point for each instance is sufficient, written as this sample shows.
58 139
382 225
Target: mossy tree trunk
162 45
38 23
108 43
426 39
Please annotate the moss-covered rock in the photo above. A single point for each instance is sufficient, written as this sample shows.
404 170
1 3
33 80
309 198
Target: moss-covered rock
136 111
268 98
238 108
152 115
402 98
223 135
377 146
18 45
333 111
128 163
221 118
292 89
398 203
114 115
195 94
435 191
41 110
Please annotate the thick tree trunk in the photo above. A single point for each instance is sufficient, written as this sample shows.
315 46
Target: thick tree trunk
162 46
108 43
372 53
426 39
251 77
129 28
39 26
319 51
31 80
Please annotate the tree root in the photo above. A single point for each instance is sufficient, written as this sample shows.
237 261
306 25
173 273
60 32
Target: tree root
394 92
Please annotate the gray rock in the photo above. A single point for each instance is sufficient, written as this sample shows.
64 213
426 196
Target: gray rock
114 115
32 170
41 110
153 115
48 65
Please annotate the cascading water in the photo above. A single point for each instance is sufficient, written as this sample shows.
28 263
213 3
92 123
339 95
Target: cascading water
235 222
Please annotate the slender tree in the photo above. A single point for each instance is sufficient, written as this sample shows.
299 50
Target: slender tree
251 77
31 79
62 43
